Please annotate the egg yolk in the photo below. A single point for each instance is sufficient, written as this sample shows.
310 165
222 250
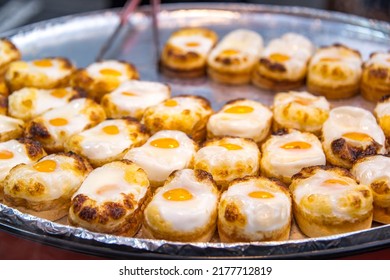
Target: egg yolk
59 93
178 194
303 101
110 72
43 63
58 122
229 52
4 154
261 194
239 110
296 145
27 103
192 44
278 57
357 136
331 182
231 147
170 103
111 129
45 166
165 143
126 93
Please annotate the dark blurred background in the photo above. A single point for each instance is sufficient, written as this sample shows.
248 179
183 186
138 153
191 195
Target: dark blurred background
14 13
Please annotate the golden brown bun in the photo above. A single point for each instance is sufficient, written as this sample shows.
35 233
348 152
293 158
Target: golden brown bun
373 171
226 165
335 72
4 92
375 82
50 210
10 54
96 88
120 217
191 118
241 118
262 81
13 128
283 63
133 97
351 133
333 93
28 103
233 58
281 163
159 227
316 214
19 76
133 130
37 129
26 188
341 153
300 110
33 150
177 62
317 227
235 211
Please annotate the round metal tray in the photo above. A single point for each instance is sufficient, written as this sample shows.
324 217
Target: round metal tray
80 37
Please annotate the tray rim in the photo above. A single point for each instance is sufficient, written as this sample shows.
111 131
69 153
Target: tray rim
55 239
240 7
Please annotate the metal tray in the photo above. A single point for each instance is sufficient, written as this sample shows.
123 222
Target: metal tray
80 37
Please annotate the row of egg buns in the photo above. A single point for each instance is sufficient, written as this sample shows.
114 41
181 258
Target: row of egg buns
347 133
30 187
89 114
335 71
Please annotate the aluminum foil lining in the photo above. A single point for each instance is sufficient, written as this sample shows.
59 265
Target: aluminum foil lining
79 38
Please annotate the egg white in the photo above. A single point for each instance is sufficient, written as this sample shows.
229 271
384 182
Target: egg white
109 175
146 94
62 180
382 109
203 46
41 101
261 214
72 112
247 43
348 119
297 47
96 144
287 162
93 70
372 169
190 214
254 125
19 156
8 124
315 185
159 163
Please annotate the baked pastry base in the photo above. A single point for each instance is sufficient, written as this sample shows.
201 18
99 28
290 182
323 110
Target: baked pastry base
381 214
240 78
334 92
51 210
372 93
276 235
262 81
314 227
181 73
